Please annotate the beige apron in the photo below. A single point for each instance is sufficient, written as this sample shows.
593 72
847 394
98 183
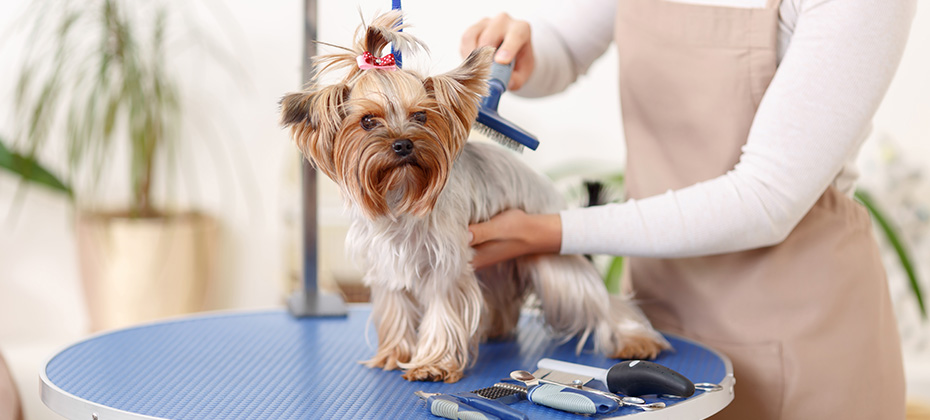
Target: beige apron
808 323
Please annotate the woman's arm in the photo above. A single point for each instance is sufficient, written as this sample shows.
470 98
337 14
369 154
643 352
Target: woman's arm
813 117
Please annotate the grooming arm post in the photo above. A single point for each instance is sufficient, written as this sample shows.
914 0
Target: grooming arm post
311 301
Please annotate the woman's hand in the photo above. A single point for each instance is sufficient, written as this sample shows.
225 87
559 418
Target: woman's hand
513 233
511 37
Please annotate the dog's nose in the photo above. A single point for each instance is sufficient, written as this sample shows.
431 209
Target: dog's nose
402 147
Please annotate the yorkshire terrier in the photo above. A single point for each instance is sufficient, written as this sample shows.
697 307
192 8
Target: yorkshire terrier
396 144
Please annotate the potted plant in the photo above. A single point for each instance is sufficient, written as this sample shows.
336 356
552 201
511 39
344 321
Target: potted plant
95 78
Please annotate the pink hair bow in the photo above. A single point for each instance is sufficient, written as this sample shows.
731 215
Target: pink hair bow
367 61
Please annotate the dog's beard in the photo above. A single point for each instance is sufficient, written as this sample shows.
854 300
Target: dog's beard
381 184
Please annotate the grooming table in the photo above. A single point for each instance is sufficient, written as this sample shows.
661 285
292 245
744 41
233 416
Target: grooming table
269 365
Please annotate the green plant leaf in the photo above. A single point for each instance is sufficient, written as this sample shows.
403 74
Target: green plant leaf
903 253
29 169
613 275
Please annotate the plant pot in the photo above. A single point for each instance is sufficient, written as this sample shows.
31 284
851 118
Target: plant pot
141 269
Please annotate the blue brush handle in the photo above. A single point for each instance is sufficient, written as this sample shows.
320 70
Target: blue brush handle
497 408
497 84
450 407
572 400
488 116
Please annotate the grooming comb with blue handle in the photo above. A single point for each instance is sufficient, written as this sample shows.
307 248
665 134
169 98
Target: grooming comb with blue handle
489 121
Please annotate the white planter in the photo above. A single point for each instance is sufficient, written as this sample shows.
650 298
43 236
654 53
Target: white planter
142 269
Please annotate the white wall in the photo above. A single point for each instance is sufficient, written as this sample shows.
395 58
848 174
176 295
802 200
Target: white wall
249 182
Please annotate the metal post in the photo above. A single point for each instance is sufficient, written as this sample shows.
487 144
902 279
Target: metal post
311 301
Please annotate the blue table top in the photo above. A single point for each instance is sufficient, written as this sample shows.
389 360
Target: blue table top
269 365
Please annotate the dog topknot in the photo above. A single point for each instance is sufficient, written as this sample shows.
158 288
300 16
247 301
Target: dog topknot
372 38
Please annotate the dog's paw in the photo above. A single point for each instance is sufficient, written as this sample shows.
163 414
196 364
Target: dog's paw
387 360
640 347
434 373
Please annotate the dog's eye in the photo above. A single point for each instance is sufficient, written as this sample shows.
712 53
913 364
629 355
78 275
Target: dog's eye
419 117
369 122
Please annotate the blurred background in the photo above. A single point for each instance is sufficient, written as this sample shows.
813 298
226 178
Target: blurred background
176 184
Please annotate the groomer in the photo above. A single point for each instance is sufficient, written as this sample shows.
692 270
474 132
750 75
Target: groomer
742 120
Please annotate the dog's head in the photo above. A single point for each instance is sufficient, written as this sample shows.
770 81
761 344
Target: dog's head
387 136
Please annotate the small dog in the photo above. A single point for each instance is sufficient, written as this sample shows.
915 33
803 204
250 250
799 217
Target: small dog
395 143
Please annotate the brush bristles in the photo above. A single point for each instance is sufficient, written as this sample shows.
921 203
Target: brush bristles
498 137
499 390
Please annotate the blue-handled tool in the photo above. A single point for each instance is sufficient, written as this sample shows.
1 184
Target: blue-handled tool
451 407
565 398
572 400
491 123
489 402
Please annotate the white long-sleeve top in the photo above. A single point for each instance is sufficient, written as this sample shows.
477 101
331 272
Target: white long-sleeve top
836 59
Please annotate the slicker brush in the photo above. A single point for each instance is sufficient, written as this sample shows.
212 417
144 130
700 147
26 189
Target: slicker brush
489 121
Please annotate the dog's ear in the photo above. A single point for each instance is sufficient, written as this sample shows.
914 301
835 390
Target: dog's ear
315 117
459 91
